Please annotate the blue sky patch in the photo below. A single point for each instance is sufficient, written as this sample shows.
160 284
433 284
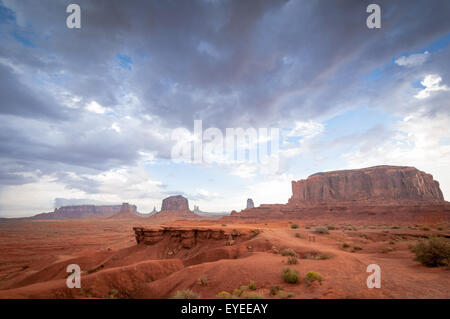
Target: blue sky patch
6 15
125 61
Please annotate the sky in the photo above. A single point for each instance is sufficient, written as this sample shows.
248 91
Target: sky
93 115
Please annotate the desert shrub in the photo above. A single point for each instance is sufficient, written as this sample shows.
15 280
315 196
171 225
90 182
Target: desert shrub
331 227
223 225
298 235
288 252
294 226
356 248
321 230
424 228
292 260
308 227
185 294
316 256
312 276
274 290
392 242
290 276
203 280
440 228
237 292
252 295
283 294
433 252
345 245
224 295
364 236
252 285
387 250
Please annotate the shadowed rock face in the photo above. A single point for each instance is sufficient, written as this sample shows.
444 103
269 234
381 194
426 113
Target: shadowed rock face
380 183
250 203
175 203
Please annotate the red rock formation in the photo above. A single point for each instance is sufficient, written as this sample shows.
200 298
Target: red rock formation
177 202
379 184
187 238
172 208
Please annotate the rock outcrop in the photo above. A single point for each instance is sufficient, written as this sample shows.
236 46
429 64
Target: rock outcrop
250 203
177 202
172 208
178 238
387 184
87 211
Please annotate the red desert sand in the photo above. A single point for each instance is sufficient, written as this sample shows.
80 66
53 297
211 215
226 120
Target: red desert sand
335 224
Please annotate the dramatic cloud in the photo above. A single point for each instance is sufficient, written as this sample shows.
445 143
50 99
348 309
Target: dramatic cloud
82 109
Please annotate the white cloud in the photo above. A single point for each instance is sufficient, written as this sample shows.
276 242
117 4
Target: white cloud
115 126
413 59
431 84
94 107
418 143
307 129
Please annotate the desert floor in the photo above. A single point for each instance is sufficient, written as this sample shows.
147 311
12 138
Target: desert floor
34 256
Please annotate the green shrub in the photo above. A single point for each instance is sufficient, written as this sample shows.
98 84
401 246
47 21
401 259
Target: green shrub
294 226
237 292
290 276
224 295
345 245
316 256
252 295
274 290
252 285
185 294
283 294
312 276
288 252
292 260
433 252
321 230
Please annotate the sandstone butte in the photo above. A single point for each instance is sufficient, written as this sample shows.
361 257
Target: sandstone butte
174 207
390 193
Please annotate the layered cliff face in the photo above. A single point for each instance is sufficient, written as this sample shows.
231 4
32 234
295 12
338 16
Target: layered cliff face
87 211
386 184
186 238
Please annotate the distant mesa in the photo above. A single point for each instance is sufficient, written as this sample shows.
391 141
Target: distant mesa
87 211
383 193
250 203
385 184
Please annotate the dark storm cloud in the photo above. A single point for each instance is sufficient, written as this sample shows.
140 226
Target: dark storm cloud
229 63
